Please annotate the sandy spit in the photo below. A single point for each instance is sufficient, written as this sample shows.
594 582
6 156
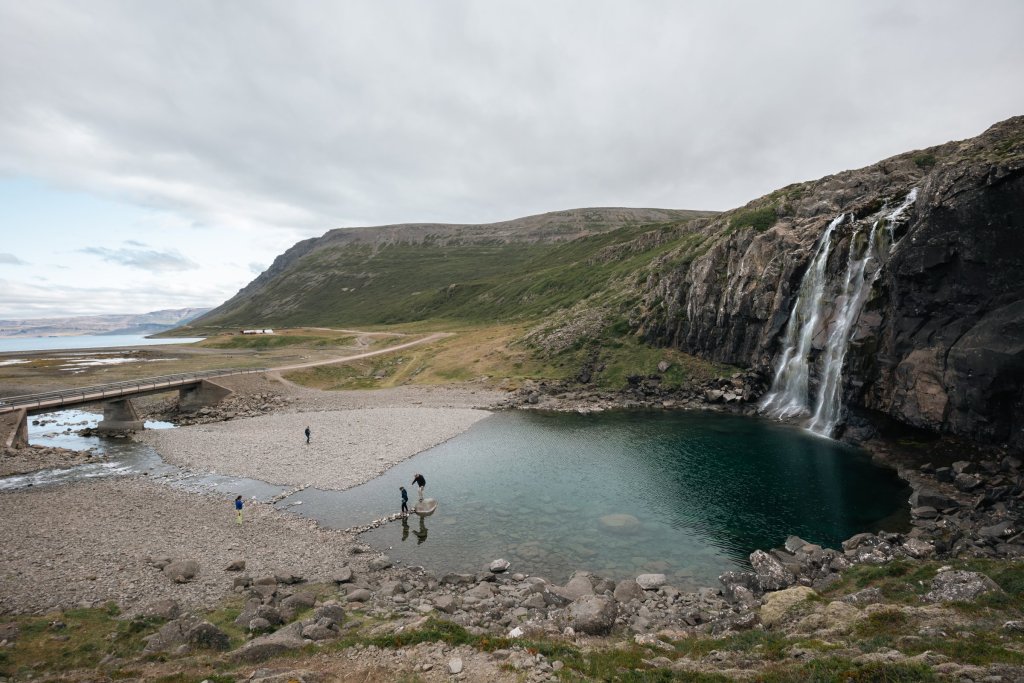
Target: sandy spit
347 448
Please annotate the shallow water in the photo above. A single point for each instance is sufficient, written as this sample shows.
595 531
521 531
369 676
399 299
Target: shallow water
618 493
623 493
111 457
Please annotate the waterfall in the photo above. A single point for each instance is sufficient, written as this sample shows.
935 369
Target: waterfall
789 395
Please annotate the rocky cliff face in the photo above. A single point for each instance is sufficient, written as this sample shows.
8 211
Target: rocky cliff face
938 340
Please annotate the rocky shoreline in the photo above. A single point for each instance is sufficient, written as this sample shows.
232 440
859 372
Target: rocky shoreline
971 509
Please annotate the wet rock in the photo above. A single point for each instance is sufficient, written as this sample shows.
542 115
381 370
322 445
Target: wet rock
651 582
924 512
619 522
499 566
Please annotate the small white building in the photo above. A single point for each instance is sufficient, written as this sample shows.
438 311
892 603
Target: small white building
257 332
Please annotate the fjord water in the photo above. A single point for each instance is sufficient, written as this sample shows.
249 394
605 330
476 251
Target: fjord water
621 493
102 341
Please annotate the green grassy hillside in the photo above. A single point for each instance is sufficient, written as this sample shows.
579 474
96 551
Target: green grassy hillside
473 281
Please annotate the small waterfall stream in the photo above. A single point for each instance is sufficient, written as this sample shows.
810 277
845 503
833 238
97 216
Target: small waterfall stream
790 392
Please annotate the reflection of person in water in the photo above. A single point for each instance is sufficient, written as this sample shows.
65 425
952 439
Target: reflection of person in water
421 533
405 527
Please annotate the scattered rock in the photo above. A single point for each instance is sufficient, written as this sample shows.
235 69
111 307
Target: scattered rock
959 586
181 571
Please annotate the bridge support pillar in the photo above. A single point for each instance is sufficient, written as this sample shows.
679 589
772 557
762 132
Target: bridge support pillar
119 416
205 393
14 429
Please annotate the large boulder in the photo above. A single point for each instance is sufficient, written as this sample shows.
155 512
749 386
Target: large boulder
777 604
959 586
627 590
206 635
181 571
593 614
271 645
771 575
927 497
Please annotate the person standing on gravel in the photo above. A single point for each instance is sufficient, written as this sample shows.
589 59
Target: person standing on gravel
238 508
421 482
308 433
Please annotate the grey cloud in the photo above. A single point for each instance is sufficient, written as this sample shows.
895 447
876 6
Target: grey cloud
11 260
146 259
27 301
256 268
320 114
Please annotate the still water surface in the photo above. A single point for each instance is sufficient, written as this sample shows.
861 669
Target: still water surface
622 493
616 493
103 341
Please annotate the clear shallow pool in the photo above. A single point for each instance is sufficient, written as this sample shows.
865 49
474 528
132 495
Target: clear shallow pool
617 493
687 494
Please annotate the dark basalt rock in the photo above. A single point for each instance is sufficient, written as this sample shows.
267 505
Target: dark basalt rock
940 341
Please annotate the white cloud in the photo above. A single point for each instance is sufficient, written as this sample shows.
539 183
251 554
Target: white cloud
265 122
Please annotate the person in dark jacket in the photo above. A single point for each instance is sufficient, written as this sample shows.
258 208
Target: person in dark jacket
421 482
308 433
238 508
405 501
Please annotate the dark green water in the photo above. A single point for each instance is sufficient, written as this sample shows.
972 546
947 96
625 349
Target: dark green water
702 491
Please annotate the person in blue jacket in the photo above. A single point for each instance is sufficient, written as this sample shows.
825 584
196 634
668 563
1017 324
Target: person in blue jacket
238 508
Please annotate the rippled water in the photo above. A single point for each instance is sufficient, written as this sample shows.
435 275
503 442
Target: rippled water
617 493
688 494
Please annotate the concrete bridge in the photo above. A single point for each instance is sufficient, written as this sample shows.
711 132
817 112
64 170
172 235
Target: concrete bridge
194 390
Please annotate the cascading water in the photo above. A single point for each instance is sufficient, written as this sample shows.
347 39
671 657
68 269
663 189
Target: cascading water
789 395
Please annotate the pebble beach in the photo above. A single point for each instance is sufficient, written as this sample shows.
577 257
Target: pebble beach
90 542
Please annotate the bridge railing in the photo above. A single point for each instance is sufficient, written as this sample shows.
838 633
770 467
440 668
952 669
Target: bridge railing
115 389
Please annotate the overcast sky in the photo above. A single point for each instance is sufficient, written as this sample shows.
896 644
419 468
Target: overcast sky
160 154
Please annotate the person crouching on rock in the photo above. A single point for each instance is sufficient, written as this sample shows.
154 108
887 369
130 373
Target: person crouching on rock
405 501
238 508
421 482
